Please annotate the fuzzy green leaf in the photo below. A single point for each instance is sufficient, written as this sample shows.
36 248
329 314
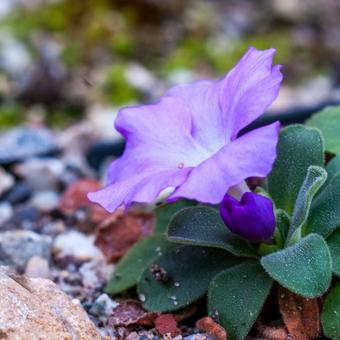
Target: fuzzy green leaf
132 265
315 178
333 242
236 297
204 227
165 212
330 314
304 268
282 226
328 121
188 272
298 148
332 168
324 215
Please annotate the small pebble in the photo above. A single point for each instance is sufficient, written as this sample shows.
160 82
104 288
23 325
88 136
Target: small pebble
6 212
6 181
17 247
45 201
37 267
103 305
76 244
21 143
21 192
41 174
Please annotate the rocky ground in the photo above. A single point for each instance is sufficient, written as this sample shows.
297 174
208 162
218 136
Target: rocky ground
49 230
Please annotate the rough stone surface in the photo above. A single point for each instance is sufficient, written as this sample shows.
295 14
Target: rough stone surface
18 246
37 309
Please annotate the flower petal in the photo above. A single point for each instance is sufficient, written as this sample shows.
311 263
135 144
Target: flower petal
252 154
158 137
143 187
202 101
223 108
252 218
249 89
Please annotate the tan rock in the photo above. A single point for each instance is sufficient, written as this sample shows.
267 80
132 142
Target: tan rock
37 267
35 308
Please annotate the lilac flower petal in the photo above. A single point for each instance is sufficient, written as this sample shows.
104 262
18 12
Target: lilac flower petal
144 187
202 100
187 140
252 218
223 108
249 89
158 137
252 154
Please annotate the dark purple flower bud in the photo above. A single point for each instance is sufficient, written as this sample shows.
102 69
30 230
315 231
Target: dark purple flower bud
252 217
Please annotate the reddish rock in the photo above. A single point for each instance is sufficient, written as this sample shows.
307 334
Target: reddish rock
117 234
130 312
210 326
166 324
275 333
75 203
301 316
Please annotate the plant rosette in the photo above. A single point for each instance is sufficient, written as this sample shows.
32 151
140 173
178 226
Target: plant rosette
226 242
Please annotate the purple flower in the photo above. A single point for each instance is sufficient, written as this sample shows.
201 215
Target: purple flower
188 141
252 218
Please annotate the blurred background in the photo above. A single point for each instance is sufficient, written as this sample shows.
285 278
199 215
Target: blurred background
67 66
62 61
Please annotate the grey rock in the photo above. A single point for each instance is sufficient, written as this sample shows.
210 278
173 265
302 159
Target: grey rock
199 336
45 201
21 143
18 246
6 181
6 212
77 245
21 192
103 305
41 174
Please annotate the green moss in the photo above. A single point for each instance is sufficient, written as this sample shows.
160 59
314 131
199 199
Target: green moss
11 114
219 57
116 89
63 117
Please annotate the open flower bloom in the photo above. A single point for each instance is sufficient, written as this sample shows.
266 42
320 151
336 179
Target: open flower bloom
252 218
189 140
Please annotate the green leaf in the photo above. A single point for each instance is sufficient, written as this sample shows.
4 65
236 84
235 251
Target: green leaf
332 168
131 266
188 272
202 226
328 121
236 297
330 314
333 242
324 215
298 148
282 227
304 268
316 177
165 212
